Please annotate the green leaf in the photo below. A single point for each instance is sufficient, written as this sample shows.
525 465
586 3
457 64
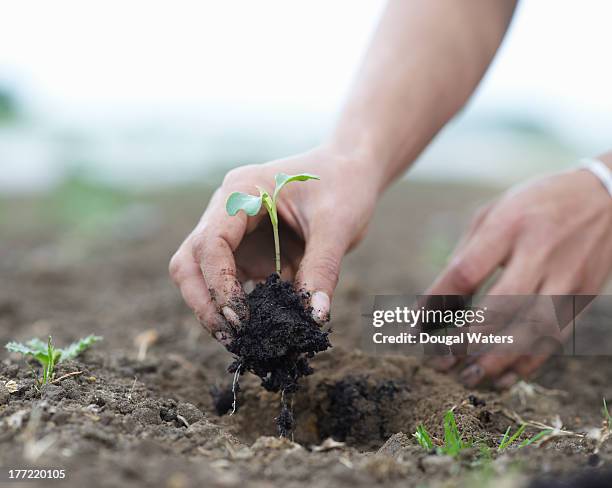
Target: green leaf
37 345
78 347
507 440
281 179
536 437
423 437
452 439
19 348
237 201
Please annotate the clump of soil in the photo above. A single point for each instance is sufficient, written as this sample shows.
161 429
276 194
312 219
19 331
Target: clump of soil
279 338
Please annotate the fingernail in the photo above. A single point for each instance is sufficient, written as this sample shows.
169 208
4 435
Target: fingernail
223 337
320 306
248 286
471 375
506 381
231 317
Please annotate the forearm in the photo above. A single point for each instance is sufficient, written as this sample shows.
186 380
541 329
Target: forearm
425 60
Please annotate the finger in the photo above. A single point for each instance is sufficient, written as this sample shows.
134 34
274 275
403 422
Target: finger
543 350
522 276
507 300
320 268
187 276
507 380
482 254
475 223
214 243
487 367
443 363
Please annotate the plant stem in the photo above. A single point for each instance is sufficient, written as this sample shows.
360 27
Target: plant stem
277 250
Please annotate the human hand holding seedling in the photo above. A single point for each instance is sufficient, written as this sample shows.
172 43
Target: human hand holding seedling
317 222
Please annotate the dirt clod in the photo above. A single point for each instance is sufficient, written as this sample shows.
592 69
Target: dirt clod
279 337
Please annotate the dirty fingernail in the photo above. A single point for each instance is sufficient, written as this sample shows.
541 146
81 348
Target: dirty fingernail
320 306
471 375
506 381
231 316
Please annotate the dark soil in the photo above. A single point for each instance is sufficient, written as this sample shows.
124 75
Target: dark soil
277 342
133 421
279 338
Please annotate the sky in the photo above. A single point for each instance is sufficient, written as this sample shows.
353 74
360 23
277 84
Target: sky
243 65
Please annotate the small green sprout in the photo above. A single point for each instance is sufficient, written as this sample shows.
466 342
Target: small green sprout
251 205
607 416
535 438
453 443
423 438
48 356
507 440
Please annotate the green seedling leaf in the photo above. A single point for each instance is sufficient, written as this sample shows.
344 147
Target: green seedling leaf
423 438
249 204
453 443
48 356
281 179
37 345
607 416
536 438
507 440
452 439
79 347
19 348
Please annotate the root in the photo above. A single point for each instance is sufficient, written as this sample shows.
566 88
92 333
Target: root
235 389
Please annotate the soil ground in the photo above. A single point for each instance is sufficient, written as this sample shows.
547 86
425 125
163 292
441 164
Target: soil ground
90 260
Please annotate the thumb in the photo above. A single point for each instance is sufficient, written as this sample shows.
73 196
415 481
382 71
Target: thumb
319 270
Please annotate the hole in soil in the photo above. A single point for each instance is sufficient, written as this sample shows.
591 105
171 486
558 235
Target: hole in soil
359 411
359 399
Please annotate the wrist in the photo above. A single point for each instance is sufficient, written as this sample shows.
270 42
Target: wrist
357 162
599 171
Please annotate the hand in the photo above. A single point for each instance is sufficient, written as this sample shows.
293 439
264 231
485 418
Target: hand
552 236
319 222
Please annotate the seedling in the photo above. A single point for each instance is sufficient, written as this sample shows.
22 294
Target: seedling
607 416
507 440
453 443
423 438
48 356
251 205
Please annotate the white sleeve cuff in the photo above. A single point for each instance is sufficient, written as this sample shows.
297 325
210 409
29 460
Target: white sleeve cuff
600 170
